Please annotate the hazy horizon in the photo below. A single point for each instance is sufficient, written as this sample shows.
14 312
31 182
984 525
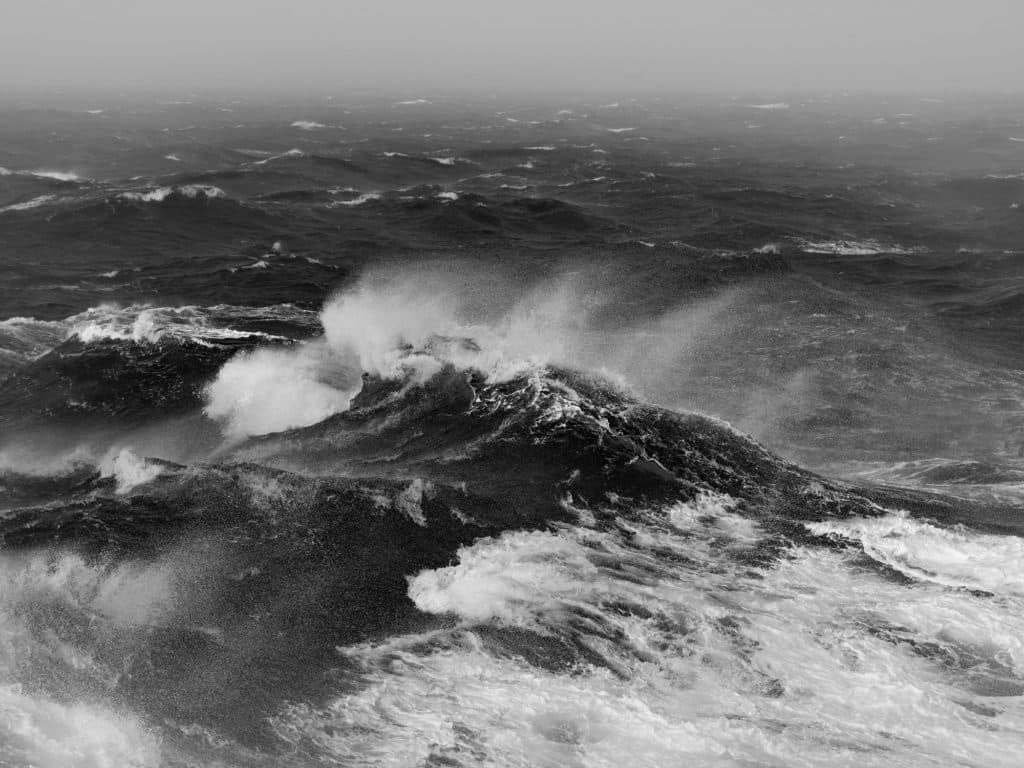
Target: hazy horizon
789 45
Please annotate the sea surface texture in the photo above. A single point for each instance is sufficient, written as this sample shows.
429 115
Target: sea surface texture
344 431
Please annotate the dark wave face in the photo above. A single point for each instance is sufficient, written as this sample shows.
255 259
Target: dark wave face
428 433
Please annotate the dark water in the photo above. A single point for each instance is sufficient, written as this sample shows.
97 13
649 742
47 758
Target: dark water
362 432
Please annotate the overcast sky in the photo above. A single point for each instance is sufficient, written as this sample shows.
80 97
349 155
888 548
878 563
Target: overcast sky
428 45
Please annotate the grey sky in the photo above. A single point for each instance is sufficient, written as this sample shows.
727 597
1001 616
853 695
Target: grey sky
525 44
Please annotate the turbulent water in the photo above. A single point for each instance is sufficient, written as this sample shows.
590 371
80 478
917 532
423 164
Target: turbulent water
436 432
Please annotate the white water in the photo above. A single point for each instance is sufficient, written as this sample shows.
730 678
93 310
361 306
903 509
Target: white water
710 661
46 731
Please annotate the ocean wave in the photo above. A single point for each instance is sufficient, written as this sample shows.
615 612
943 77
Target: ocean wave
657 643
307 125
366 197
26 337
143 323
290 153
128 470
953 557
69 176
28 205
190 191
855 247
774 106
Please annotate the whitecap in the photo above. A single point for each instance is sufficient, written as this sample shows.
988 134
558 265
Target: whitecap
367 197
35 202
160 194
307 125
57 175
129 470
953 557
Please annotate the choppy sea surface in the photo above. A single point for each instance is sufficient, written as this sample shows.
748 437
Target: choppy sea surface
436 431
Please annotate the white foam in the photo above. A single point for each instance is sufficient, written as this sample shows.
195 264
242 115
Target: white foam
142 324
57 175
160 194
36 728
173 158
307 125
778 105
411 102
129 470
35 202
620 130
447 196
950 556
855 247
270 390
294 152
707 660
443 160
366 197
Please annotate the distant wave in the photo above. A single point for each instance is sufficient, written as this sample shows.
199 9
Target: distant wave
773 106
855 247
307 125
35 202
158 195
57 175
367 197
27 337
289 153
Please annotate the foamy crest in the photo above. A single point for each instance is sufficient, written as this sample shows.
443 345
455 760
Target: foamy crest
204 325
510 578
270 390
129 470
307 125
191 191
953 557
693 656
855 248
57 175
28 205
367 197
